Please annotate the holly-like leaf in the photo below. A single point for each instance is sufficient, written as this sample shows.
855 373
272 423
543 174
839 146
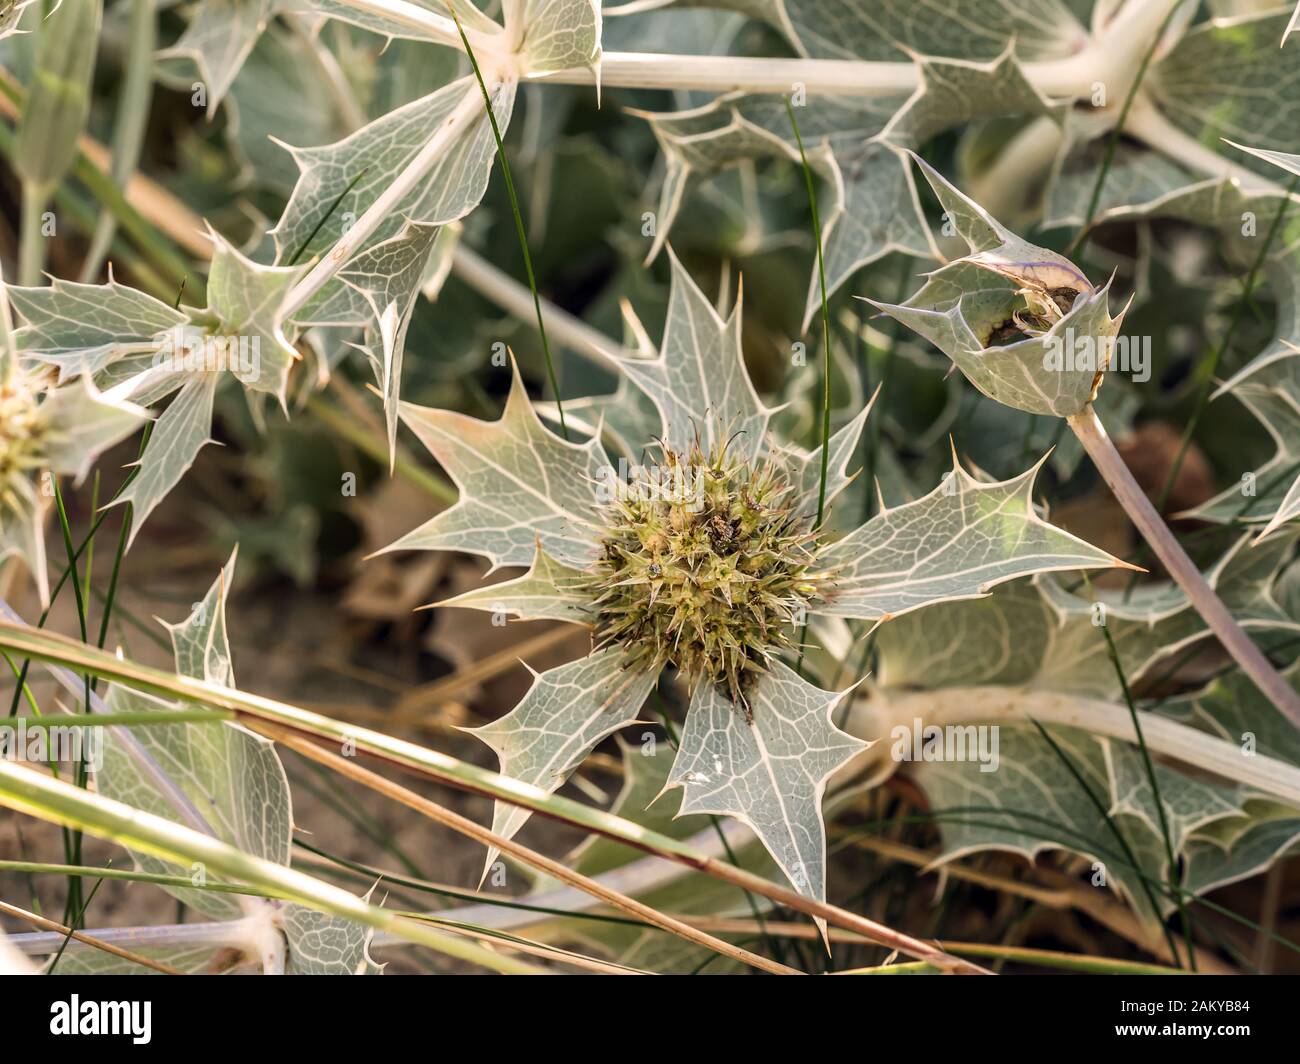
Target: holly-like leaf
224 780
699 382
321 944
83 422
389 25
548 591
555 34
857 146
1032 803
566 712
955 543
379 290
179 433
1040 635
770 772
86 326
521 486
230 778
340 181
1227 79
244 297
896 29
218 39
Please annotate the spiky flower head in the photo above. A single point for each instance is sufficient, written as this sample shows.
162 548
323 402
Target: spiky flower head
706 566
22 429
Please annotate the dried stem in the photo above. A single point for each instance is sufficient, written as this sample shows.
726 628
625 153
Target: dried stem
1166 547
441 815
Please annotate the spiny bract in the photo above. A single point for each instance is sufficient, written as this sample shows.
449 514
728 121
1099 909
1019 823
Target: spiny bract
22 429
705 567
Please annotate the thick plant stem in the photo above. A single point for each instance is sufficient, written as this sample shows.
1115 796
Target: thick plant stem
888 708
1110 58
1147 124
31 241
1254 664
516 300
383 208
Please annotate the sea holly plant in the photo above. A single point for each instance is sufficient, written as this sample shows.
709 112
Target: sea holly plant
139 348
794 618
705 560
1029 330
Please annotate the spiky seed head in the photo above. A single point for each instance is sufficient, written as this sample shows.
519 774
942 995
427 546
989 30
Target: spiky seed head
706 566
22 428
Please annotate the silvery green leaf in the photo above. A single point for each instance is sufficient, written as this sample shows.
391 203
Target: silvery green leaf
626 417
58 99
378 291
178 434
1233 709
218 39
245 297
1032 803
1038 635
321 944
232 777
555 34
566 712
966 307
339 181
521 486
698 381
83 422
856 146
1190 804
805 467
388 26
1211 865
548 591
277 97
955 543
86 326
192 960
898 30
642 800
770 772
872 208
22 530
388 272
1227 78
1136 175
1270 494
200 643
